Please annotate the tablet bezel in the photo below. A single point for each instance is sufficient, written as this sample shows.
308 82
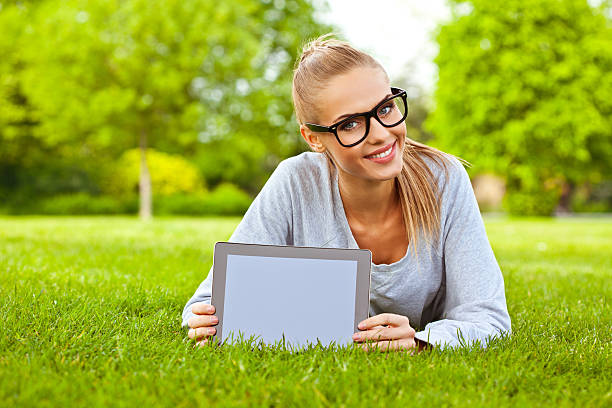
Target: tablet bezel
223 249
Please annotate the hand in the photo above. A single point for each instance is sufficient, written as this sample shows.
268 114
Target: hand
387 331
200 324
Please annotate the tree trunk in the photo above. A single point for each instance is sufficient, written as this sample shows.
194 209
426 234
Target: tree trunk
144 182
565 201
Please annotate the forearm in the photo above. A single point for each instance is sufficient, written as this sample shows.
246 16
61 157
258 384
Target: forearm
456 333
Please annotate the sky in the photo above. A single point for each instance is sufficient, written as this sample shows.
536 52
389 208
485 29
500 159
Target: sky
398 33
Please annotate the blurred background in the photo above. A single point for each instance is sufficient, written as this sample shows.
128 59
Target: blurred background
184 107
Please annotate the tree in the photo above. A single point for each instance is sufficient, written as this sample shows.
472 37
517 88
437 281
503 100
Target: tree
107 76
525 90
22 155
419 105
16 113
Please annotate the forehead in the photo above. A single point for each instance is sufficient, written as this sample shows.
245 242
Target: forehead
359 90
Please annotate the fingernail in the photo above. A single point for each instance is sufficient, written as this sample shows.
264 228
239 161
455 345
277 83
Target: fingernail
215 319
360 325
356 336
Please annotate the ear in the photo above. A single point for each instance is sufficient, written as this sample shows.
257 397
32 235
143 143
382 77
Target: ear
312 138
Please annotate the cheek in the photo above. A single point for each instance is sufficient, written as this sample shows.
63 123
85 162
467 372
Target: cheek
348 159
400 130
401 136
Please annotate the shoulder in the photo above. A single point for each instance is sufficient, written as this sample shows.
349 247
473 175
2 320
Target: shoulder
303 169
304 162
298 176
458 207
448 171
453 186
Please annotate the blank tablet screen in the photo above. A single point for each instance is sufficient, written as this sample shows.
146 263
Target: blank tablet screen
271 296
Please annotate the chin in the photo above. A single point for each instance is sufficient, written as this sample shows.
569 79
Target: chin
390 173
398 172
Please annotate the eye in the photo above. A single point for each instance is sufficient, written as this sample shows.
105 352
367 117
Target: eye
349 125
386 108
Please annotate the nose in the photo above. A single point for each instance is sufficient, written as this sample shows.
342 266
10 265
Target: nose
377 133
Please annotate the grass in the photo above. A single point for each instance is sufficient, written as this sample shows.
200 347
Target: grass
90 315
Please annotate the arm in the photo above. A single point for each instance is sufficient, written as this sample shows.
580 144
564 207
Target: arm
475 304
267 221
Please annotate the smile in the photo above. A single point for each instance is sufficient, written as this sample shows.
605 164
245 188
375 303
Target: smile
383 154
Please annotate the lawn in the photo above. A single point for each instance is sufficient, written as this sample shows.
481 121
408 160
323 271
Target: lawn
90 315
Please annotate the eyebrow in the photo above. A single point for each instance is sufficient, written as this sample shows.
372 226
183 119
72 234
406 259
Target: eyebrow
346 115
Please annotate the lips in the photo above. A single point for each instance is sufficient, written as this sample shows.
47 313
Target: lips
382 149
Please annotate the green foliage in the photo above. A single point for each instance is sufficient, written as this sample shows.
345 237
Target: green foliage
90 316
525 90
170 174
226 199
531 203
596 198
240 159
85 80
17 115
84 204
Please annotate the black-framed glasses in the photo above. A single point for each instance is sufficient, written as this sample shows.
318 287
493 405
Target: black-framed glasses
354 129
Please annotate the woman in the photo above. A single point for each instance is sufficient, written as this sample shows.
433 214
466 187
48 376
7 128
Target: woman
434 277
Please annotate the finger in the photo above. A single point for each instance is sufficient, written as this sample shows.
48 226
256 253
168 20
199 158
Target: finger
385 333
376 333
383 319
380 326
202 343
390 345
202 320
202 308
201 332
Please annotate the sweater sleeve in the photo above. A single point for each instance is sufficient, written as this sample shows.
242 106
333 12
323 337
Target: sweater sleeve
267 221
474 308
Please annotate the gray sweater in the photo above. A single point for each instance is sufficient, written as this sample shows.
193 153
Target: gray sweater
453 292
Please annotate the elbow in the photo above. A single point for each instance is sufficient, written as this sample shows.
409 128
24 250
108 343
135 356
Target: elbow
503 323
500 327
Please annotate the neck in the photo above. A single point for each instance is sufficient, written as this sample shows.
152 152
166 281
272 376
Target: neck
368 202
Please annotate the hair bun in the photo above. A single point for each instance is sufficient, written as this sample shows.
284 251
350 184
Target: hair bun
321 42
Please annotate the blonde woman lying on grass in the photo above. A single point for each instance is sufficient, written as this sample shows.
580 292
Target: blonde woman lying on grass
434 277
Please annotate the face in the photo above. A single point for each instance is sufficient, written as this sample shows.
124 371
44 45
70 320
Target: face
358 91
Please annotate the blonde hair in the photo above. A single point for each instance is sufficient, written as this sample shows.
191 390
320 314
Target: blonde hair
324 58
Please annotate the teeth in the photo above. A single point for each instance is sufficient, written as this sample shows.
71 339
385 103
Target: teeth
381 155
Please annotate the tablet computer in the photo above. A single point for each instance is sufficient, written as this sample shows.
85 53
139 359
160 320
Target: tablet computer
298 295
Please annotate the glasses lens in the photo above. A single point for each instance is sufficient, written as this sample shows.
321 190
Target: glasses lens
392 112
352 129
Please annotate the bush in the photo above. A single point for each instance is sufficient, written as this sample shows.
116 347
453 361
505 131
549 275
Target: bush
83 204
226 199
184 204
590 199
537 203
170 174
